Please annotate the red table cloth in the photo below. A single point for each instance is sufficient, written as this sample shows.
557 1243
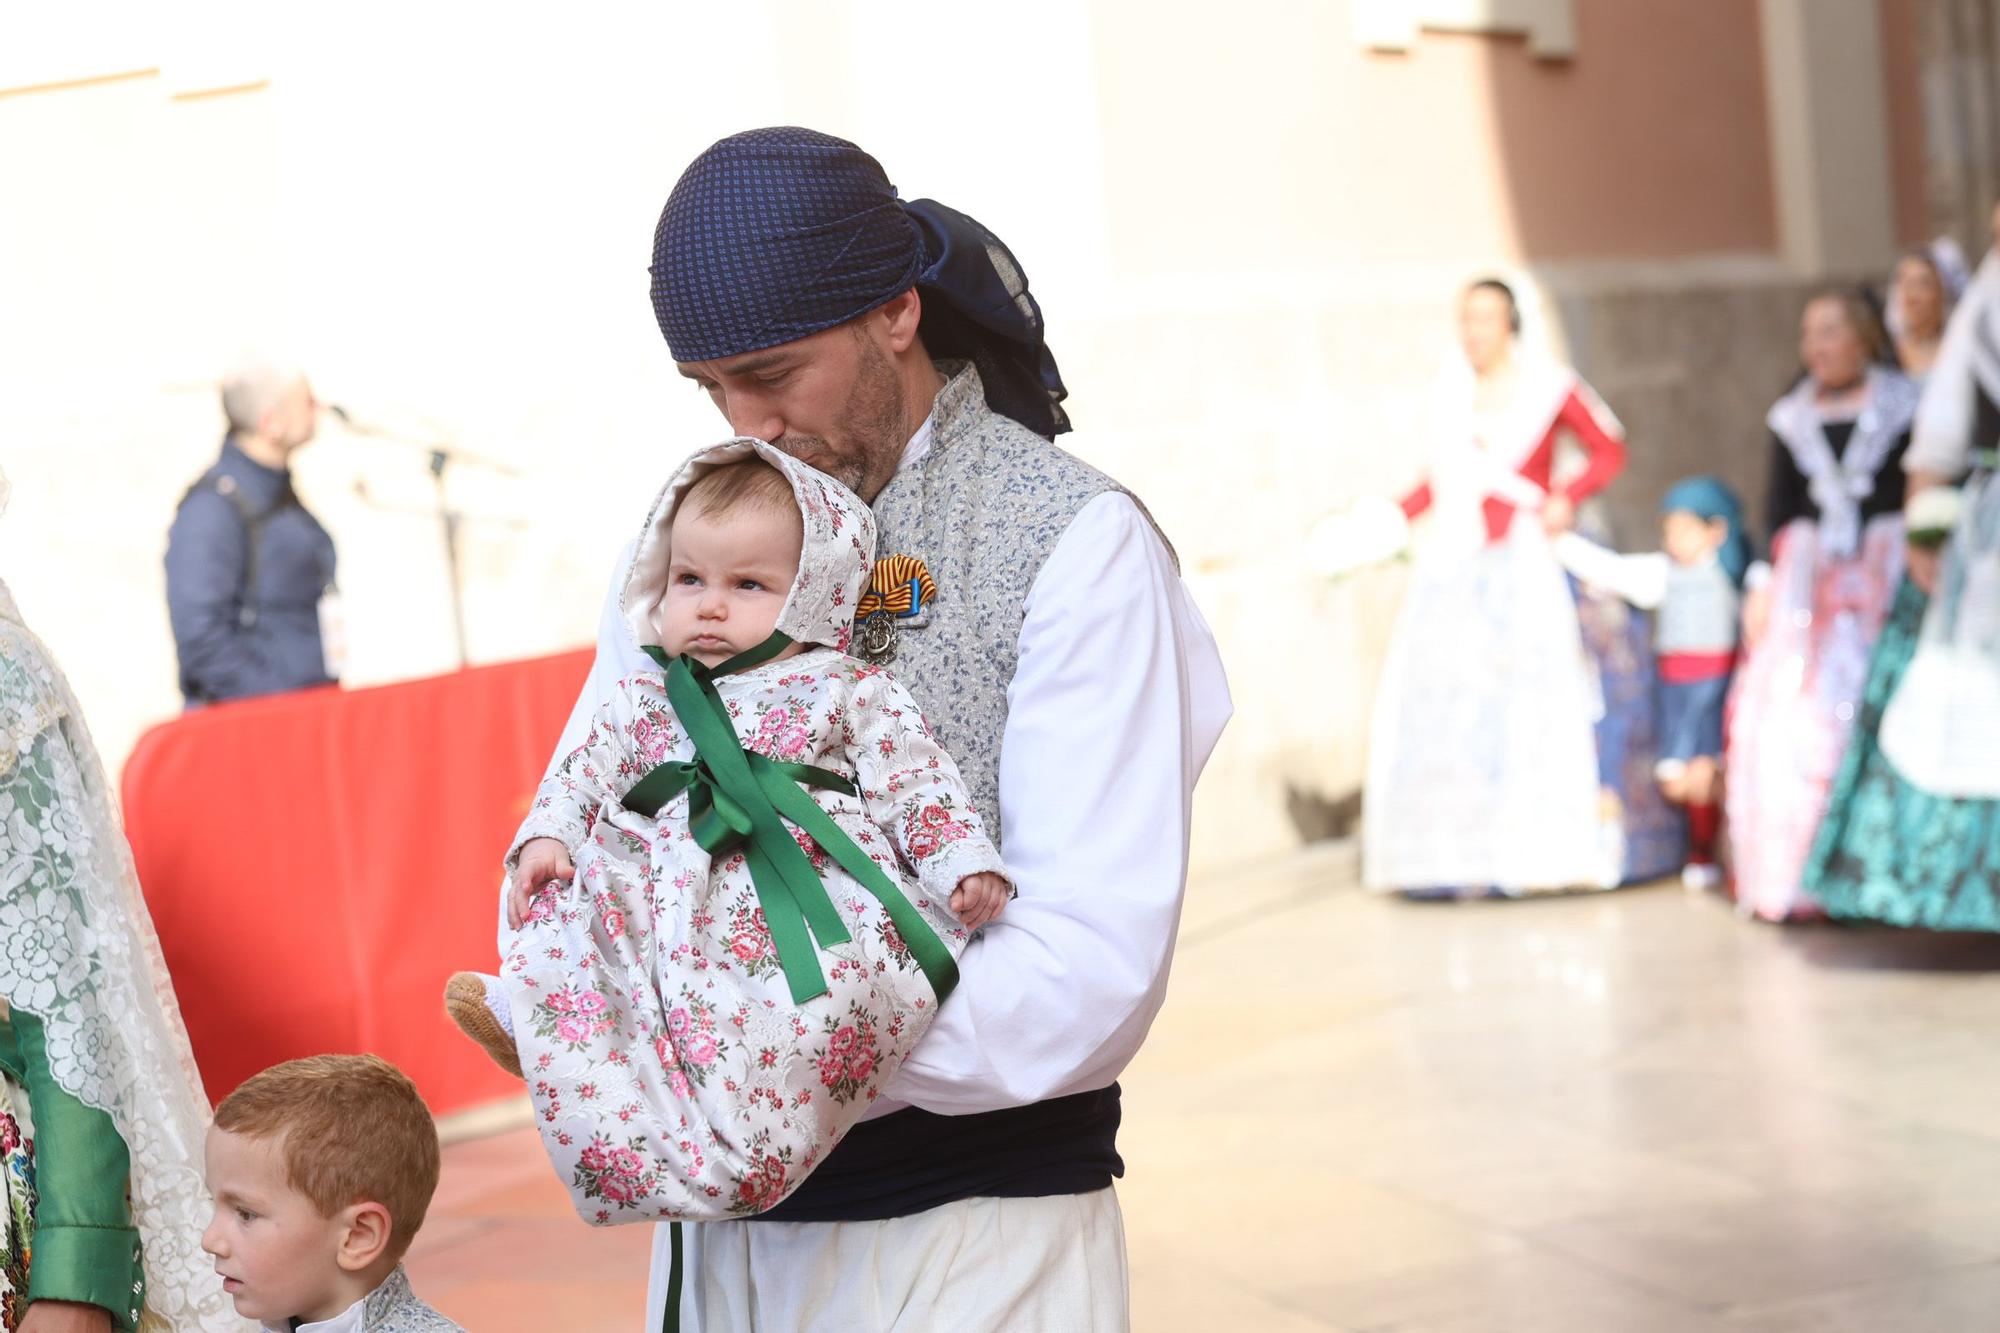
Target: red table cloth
318 863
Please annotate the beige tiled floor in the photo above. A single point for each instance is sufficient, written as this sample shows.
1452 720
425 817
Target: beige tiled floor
1624 1113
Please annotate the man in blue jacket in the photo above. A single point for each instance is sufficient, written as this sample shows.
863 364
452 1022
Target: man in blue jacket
247 566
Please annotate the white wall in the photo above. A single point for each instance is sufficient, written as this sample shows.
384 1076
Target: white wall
446 212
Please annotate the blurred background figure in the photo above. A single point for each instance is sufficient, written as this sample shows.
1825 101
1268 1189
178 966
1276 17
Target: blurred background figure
1834 512
1693 584
1920 296
249 570
1483 773
1912 837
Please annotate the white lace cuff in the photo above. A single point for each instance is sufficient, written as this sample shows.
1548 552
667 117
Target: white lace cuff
941 872
570 833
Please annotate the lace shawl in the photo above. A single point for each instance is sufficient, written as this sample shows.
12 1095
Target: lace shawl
77 950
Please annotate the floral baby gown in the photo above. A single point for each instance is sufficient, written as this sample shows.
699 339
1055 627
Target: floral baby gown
681 1067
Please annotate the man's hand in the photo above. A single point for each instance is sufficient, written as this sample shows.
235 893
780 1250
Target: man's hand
66 1317
979 898
542 860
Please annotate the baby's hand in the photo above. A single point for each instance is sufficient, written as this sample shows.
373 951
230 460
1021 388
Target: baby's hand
979 898
541 860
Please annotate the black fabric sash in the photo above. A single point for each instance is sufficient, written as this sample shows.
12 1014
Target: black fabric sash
914 1160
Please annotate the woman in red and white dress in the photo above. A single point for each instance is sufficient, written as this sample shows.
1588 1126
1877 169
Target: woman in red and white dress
1482 772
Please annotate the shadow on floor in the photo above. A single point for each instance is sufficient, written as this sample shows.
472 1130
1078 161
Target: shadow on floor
1886 949
1318 819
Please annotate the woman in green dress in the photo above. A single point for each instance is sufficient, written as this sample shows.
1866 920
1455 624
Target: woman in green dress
101 1112
1912 837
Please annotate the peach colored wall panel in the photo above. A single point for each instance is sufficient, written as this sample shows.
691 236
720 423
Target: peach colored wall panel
1293 150
1650 143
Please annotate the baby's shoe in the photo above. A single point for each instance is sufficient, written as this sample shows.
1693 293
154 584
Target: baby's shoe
478 1005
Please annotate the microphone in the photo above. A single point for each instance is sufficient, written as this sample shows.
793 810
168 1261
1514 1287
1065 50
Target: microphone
357 425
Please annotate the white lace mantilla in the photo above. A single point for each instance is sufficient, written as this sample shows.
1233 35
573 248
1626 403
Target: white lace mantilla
77 950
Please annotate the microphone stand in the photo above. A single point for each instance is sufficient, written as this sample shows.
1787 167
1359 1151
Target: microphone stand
450 520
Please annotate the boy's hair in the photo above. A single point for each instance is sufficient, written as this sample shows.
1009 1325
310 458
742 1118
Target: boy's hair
355 1130
748 481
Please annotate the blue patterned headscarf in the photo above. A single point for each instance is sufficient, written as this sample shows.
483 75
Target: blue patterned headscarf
774 234
1709 498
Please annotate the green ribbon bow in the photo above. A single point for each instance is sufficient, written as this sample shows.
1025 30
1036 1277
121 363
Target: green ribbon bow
741 800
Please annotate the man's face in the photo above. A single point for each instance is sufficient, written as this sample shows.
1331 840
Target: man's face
832 398
294 419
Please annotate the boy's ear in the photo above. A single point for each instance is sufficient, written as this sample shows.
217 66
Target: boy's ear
1718 528
364 1237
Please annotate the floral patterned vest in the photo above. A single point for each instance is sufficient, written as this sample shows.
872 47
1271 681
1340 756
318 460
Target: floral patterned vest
394 1308
982 509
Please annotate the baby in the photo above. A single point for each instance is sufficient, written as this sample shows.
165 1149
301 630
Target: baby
738 903
321 1170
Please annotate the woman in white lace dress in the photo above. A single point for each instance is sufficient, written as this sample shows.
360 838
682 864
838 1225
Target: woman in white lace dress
101 1110
1482 767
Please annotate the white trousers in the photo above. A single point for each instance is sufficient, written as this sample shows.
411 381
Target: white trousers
1053 1265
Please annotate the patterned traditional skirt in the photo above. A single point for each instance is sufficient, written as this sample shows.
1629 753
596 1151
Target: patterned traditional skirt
1482 765
17 1166
1890 851
1793 707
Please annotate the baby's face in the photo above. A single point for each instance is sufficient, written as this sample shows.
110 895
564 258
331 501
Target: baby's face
276 1255
728 576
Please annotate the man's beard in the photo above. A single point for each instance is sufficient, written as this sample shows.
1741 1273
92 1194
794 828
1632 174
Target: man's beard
869 434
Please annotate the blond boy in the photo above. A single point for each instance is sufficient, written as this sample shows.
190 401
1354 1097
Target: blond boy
321 1170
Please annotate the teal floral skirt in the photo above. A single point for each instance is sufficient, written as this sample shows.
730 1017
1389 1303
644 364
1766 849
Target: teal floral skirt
1888 851
17 1164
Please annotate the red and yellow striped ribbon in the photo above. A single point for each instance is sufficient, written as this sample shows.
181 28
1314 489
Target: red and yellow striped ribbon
900 585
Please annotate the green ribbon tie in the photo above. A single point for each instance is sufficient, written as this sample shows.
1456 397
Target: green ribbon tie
741 800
